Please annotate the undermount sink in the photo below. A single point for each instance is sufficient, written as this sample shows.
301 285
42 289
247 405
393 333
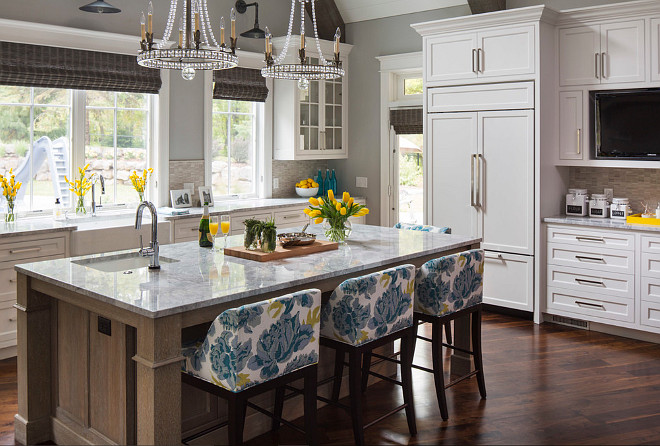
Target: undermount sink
120 262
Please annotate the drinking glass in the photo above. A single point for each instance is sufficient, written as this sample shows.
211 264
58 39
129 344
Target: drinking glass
224 227
213 229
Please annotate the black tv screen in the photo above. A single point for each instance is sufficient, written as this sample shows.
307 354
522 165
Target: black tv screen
626 124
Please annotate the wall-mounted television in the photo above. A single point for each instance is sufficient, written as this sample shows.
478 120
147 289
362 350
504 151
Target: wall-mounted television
625 124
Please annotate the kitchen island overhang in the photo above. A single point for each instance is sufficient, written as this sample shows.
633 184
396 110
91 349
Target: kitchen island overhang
77 382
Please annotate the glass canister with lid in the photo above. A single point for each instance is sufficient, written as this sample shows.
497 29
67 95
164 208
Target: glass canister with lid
620 208
576 202
599 207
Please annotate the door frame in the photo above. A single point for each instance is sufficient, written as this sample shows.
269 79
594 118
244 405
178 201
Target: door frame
392 67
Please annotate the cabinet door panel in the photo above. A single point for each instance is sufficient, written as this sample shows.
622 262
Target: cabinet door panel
452 141
622 52
451 57
506 52
655 49
571 136
509 281
506 195
579 51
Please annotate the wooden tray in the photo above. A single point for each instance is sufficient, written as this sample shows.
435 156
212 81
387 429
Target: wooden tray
281 253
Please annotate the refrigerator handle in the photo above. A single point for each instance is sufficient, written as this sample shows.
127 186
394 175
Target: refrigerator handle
479 192
472 201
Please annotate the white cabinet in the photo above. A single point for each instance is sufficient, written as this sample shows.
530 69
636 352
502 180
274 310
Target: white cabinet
571 135
509 280
311 123
495 53
602 54
655 49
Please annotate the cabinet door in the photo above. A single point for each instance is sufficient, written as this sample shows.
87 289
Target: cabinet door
579 56
452 139
506 192
331 135
506 52
509 281
310 116
655 49
571 138
451 57
622 52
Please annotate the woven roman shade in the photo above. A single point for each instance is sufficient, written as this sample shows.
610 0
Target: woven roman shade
407 121
53 67
240 84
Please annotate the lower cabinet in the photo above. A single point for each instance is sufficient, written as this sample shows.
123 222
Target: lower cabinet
509 280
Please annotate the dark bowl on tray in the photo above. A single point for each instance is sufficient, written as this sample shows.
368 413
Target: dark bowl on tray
290 239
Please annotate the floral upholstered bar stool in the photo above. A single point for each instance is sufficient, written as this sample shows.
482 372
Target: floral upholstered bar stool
256 348
445 289
435 230
365 313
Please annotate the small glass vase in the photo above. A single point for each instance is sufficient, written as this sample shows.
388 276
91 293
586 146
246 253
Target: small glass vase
268 240
80 206
141 197
337 230
10 216
250 240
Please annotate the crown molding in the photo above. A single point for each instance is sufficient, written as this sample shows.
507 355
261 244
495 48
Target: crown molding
401 62
606 12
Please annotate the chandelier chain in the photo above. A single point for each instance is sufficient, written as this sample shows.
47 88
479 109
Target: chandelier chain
316 37
168 27
279 59
208 25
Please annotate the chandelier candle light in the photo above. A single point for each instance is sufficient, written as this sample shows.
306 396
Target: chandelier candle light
193 51
304 71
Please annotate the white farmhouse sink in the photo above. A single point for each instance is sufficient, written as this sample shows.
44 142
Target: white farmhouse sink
120 262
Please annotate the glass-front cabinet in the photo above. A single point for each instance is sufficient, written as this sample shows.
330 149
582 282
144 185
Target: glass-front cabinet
310 123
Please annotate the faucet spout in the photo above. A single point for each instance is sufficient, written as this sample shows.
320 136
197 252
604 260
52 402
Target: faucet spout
153 249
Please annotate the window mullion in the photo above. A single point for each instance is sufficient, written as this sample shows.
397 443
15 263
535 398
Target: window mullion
114 139
30 152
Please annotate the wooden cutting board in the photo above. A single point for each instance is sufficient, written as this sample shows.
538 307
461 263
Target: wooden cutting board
281 253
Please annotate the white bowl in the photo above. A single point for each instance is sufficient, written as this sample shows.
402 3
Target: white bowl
310 192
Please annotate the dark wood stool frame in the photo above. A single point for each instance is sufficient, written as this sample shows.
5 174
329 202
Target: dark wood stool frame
356 355
238 404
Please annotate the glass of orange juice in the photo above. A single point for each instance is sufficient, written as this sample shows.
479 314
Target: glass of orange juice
224 226
213 229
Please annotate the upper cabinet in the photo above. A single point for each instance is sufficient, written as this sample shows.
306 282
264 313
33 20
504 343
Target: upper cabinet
505 53
310 123
655 49
608 53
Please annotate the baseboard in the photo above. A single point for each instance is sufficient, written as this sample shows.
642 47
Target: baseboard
8 352
527 315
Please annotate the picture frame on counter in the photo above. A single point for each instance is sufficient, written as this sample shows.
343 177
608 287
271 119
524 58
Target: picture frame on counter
181 198
205 195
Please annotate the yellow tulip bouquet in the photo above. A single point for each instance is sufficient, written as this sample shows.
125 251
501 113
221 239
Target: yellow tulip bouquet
140 181
80 187
335 213
10 188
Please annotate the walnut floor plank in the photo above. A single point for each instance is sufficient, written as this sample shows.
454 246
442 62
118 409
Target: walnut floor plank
546 384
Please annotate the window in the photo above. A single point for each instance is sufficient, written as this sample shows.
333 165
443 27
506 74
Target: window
409 87
234 147
412 86
36 128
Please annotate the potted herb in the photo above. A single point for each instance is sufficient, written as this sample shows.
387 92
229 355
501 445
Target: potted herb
268 236
252 233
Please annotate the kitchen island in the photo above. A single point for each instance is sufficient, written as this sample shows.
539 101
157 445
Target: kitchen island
99 337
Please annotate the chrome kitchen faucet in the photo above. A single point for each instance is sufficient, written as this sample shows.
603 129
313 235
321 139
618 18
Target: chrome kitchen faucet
152 250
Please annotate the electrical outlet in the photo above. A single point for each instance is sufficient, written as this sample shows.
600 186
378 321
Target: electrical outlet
276 183
609 193
360 181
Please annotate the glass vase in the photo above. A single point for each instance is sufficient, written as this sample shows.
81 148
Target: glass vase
10 215
250 239
268 240
141 196
80 206
337 230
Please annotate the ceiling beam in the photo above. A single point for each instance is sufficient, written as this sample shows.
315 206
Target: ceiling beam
481 6
328 19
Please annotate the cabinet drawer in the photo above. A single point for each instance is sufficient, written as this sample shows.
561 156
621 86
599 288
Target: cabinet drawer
650 244
31 249
650 265
588 238
601 259
610 284
651 314
186 230
509 280
589 304
650 289
290 218
7 284
7 325
237 226
511 96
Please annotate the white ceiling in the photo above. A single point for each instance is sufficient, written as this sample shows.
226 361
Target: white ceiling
360 10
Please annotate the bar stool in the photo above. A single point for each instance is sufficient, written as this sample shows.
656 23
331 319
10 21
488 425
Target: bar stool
445 289
436 230
362 314
256 348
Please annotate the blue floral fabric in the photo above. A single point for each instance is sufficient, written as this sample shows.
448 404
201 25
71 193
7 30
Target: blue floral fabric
423 228
366 308
255 343
449 284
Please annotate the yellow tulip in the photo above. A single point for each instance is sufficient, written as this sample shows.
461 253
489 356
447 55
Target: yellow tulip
346 196
315 213
313 201
307 211
342 211
331 195
318 220
321 202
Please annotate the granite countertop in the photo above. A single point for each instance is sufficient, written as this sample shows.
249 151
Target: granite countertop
200 278
607 223
29 226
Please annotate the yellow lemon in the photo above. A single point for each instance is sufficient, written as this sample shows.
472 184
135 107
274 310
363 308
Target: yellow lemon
315 184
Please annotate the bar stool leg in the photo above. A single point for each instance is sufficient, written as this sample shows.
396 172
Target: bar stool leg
237 409
355 387
448 333
438 371
406 378
366 365
278 407
311 432
339 371
476 348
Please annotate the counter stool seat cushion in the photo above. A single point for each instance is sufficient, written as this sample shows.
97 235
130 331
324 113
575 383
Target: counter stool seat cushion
423 228
449 284
370 307
255 343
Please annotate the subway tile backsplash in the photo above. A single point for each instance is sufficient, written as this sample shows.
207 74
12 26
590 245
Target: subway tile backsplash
289 173
639 185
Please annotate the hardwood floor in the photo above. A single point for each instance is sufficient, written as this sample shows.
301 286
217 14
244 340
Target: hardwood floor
546 384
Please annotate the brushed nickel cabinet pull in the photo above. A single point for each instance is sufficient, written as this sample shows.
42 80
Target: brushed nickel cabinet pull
472 202
596 65
593 259
474 55
578 140
602 65
589 282
24 250
479 194
496 257
590 239
587 304
480 60
194 229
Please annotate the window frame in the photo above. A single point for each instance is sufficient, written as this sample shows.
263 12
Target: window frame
400 92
